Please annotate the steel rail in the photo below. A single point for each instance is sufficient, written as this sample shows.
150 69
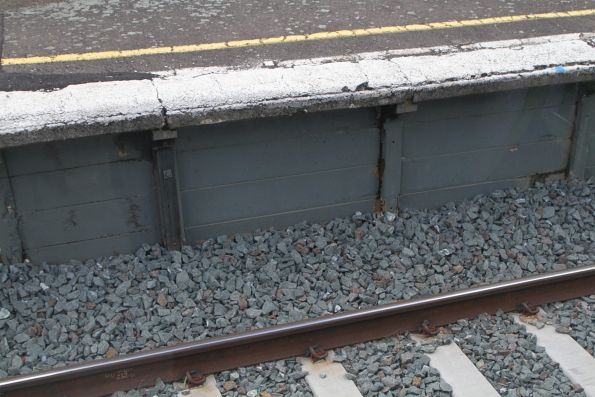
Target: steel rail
101 377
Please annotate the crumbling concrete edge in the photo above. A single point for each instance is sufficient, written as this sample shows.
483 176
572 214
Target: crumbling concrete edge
199 96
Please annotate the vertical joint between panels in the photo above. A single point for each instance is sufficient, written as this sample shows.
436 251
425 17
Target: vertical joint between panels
165 172
11 242
389 186
584 112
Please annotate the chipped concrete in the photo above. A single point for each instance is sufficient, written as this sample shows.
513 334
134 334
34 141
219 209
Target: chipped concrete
216 94
109 106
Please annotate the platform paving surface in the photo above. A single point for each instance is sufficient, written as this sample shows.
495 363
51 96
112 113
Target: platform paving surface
45 28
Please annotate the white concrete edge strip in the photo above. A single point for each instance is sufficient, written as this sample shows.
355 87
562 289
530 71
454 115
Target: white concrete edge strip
327 378
215 94
574 361
208 389
459 372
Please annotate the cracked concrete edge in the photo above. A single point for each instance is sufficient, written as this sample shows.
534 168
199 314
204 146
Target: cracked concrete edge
198 96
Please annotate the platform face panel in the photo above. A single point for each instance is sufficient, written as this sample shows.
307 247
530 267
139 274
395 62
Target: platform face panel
251 174
95 196
84 198
458 148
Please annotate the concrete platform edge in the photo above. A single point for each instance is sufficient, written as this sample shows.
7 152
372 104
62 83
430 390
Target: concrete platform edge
212 95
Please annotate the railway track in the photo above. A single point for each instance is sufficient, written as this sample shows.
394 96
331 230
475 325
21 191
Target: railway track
193 361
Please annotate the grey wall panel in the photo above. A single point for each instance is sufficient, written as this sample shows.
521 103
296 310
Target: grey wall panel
85 197
462 134
285 155
278 220
270 196
460 147
507 101
73 153
94 248
96 196
272 129
74 186
484 165
436 198
260 172
3 168
89 221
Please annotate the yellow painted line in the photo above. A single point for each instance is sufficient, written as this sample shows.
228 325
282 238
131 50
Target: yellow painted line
193 48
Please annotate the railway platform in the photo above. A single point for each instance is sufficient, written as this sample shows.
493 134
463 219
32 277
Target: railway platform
201 192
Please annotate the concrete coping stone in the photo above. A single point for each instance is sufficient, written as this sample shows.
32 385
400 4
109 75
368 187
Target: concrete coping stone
197 96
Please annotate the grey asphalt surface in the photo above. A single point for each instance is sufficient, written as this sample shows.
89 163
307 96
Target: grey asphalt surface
45 27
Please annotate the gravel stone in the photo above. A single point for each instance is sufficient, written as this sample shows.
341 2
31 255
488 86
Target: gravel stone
510 359
122 289
183 280
253 313
548 212
392 367
102 347
21 338
15 363
268 307
4 313
229 385
277 378
406 358
159 390
239 282
390 216
575 317
408 252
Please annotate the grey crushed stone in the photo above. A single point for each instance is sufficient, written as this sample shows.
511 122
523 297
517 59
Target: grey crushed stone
510 359
4 313
273 379
159 390
72 312
575 317
392 367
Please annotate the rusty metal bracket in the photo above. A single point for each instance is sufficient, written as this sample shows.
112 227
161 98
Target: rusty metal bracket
428 329
407 106
316 353
527 309
194 378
